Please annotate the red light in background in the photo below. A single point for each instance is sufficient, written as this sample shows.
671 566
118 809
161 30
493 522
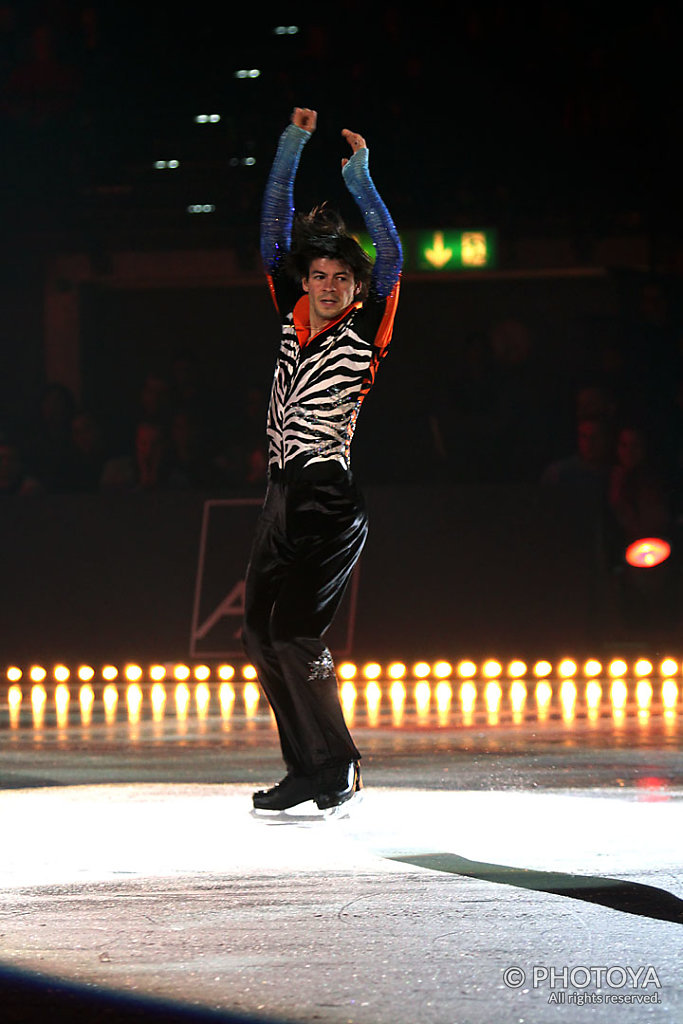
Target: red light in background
648 552
654 789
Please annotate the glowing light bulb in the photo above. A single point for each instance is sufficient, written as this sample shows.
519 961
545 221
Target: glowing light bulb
542 669
491 669
372 670
421 669
157 673
668 667
516 669
397 670
617 668
60 673
592 668
442 670
466 669
348 670
14 674
133 673
567 668
86 673
249 672
37 674
181 673
643 667
226 673
110 672
202 673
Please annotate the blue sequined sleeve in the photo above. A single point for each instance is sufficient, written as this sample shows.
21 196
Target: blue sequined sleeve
277 213
378 221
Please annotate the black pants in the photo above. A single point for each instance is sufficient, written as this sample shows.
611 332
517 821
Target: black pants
308 539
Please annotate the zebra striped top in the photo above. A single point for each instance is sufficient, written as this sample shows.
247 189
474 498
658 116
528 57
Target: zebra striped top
320 382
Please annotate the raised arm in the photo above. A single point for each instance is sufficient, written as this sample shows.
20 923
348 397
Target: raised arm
277 212
377 218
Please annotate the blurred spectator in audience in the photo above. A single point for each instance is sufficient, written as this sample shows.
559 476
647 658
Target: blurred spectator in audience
13 479
48 439
155 399
594 402
585 473
463 421
148 469
152 454
186 390
638 494
524 402
85 460
192 457
244 459
645 600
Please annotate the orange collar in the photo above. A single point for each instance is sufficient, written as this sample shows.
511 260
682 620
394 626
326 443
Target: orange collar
302 320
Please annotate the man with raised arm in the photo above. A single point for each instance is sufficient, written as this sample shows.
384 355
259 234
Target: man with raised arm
337 311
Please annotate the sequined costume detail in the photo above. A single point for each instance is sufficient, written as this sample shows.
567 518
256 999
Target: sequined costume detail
322 667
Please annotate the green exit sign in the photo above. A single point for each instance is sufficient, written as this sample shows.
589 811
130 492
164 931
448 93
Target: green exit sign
444 250
455 250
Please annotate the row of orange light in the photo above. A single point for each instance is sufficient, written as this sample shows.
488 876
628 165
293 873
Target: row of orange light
491 668
426 698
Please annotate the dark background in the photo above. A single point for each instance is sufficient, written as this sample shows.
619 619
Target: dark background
543 120
555 124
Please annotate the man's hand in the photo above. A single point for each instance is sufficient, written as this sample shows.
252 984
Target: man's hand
355 141
304 118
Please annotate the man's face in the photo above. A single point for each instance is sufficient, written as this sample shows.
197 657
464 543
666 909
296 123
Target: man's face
331 288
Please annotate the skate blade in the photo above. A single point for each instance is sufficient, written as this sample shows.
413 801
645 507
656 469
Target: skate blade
346 809
305 812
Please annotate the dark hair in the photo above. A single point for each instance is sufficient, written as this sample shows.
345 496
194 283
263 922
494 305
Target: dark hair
322 234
